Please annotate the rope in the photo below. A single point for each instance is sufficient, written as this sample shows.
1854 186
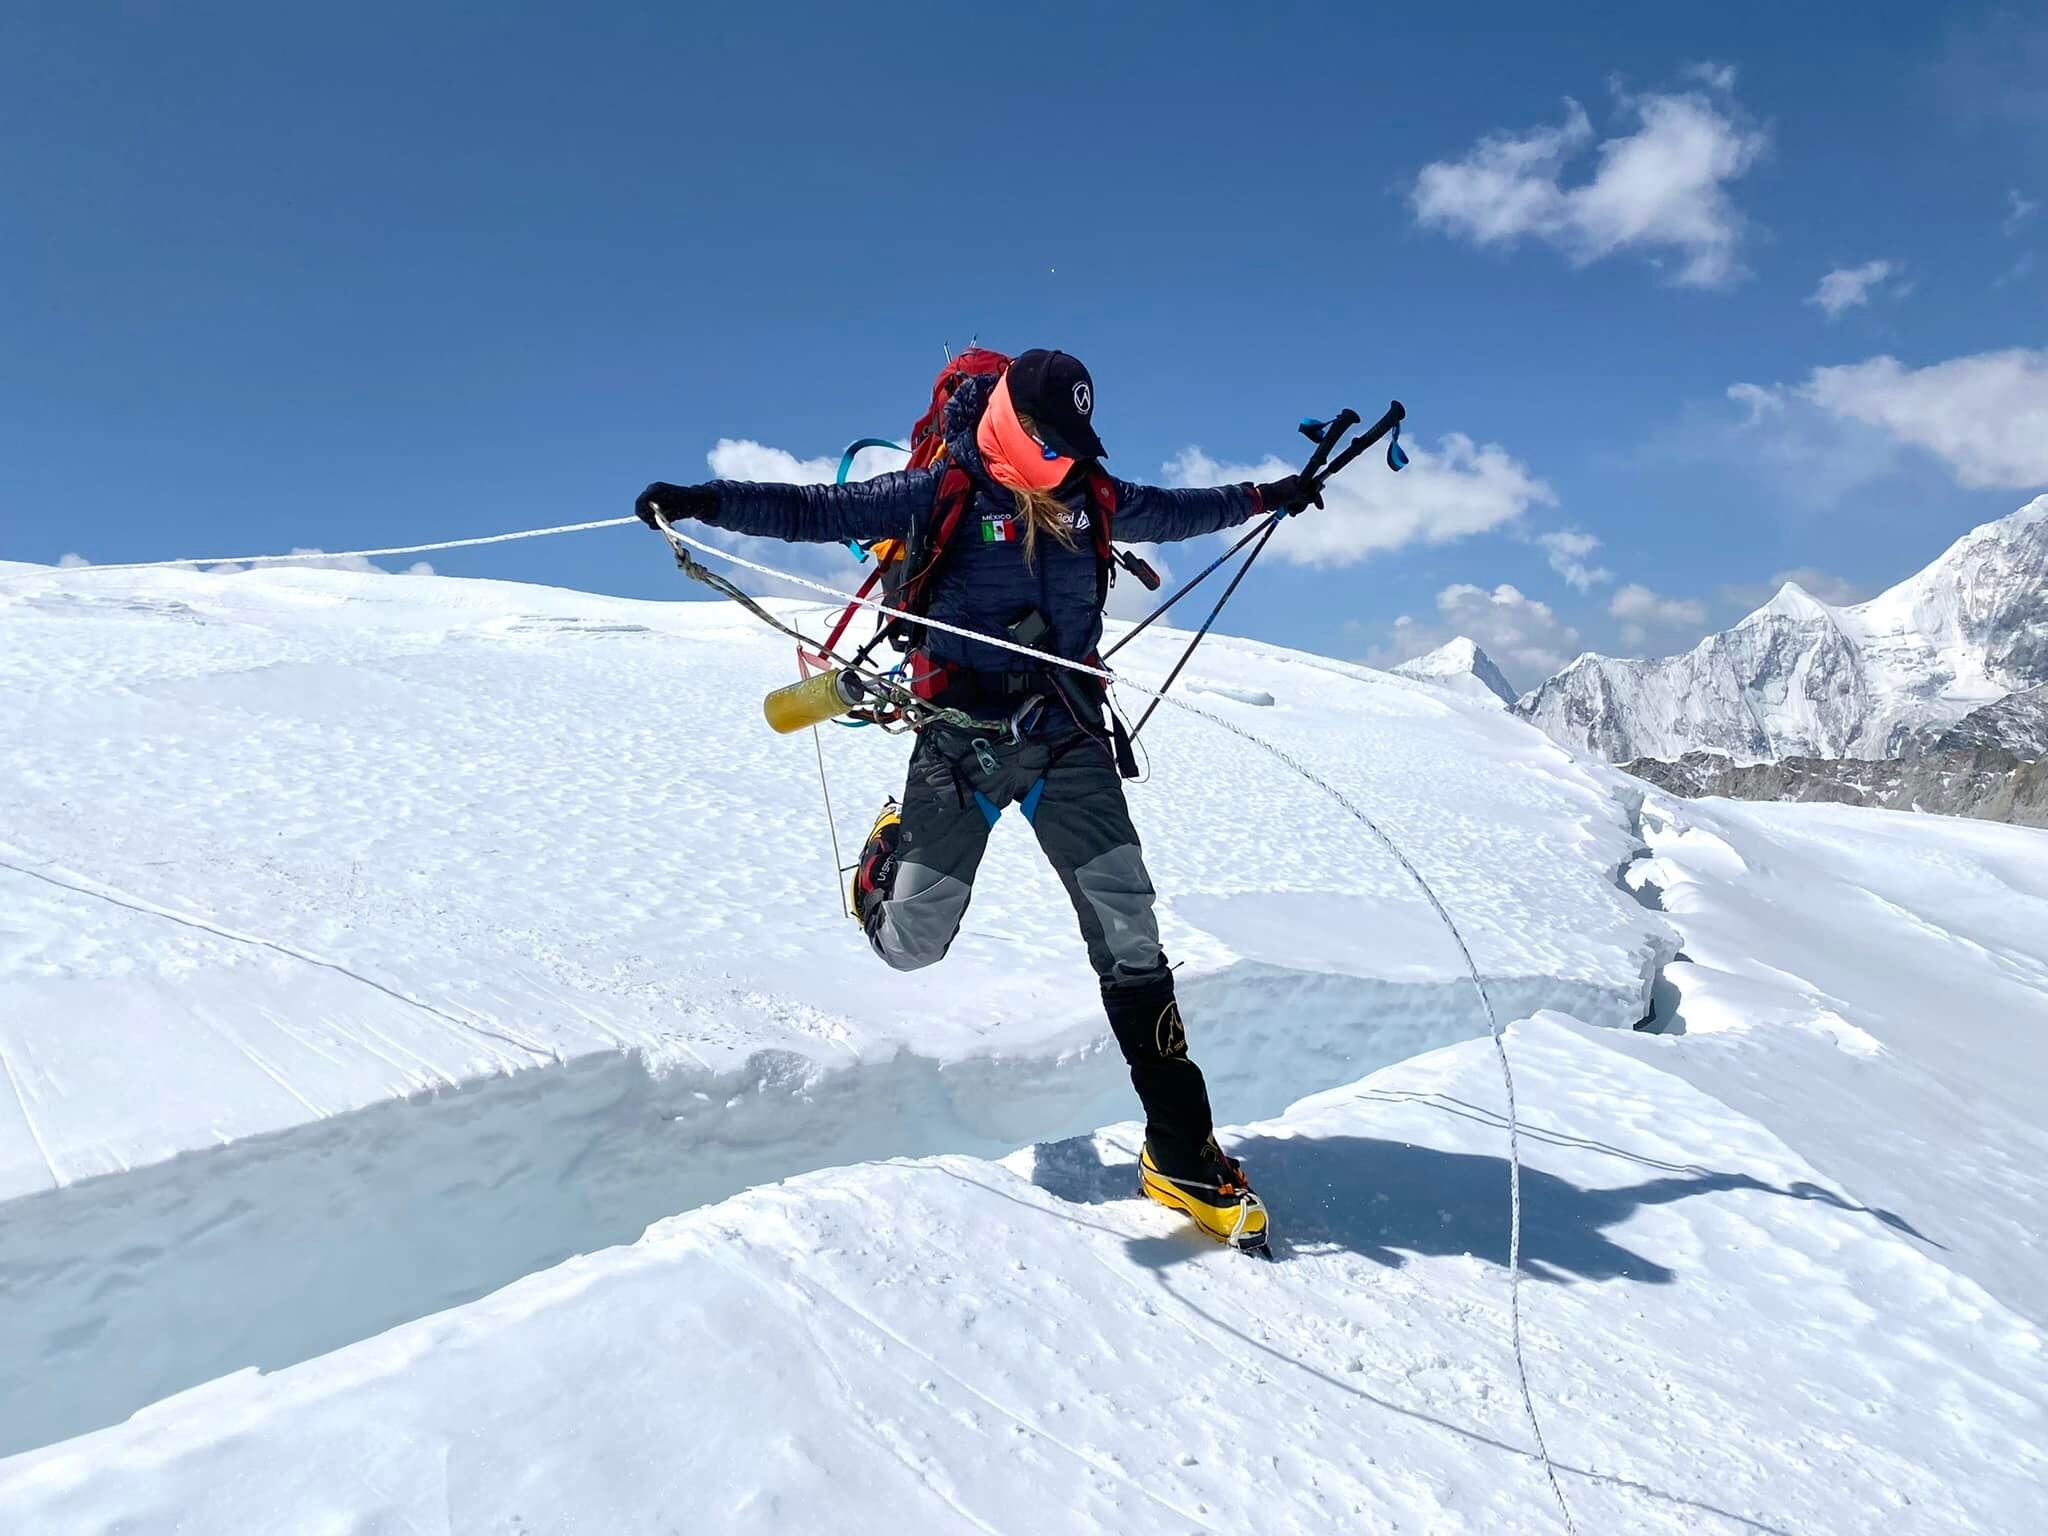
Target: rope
831 826
347 554
1279 754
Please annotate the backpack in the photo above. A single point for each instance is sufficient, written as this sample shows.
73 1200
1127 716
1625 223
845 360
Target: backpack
906 574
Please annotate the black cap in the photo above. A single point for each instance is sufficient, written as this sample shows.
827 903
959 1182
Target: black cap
1055 391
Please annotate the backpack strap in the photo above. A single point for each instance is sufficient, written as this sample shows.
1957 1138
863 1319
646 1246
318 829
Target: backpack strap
955 494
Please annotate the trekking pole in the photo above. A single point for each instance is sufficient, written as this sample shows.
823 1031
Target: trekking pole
1318 469
1193 582
1269 529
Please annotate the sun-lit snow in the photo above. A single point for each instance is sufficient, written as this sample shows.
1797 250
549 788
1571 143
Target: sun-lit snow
1461 666
374 945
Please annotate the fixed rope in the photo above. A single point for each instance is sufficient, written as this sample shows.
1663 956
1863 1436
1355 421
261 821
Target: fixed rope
313 557
1158 695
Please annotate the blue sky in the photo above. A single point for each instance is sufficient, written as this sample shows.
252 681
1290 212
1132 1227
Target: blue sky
340 277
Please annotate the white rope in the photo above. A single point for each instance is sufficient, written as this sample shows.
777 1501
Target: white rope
1277 753
314 557
1429 894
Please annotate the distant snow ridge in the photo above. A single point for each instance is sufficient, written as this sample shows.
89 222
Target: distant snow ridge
1800 677
1462 667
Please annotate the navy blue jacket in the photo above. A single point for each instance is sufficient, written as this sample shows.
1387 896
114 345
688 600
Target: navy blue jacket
983 583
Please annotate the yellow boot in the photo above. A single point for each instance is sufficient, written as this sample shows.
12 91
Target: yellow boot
876 869
1220 1202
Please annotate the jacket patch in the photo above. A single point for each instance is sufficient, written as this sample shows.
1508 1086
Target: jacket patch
999 530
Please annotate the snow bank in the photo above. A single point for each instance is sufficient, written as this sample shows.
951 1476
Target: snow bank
953 1345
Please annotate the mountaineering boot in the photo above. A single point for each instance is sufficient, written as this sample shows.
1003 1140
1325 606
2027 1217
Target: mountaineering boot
1182 1167
1145 1019
1217 1196
876 869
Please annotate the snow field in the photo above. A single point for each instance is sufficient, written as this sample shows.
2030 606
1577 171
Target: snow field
373 941
380 956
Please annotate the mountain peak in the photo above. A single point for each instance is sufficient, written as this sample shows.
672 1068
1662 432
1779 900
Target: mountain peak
1792 601
1803 678
1460 665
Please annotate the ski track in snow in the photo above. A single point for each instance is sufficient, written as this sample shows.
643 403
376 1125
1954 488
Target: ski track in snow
616 989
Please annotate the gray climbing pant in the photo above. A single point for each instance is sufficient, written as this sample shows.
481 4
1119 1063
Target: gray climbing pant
1068 790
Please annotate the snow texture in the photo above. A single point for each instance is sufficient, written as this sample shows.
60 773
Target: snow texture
383 956
1803 678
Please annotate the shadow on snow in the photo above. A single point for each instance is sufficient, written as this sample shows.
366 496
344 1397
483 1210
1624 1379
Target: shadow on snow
1388 1201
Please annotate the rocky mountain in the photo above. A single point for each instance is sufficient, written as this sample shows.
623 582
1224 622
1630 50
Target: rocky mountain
1462 667
1803 678
2017 723
1990 784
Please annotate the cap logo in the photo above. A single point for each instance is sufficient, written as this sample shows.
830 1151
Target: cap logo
1084 397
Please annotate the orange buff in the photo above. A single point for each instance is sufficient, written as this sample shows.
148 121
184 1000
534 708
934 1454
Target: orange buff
1014 457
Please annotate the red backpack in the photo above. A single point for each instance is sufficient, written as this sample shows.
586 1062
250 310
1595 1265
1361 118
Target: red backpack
904 574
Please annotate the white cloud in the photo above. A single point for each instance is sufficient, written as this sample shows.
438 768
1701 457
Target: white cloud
72 562
2021 208
744 459
1644 610
1846 287
1761 402
305 558
1720 77
1568 550
1451 492
2019 269
1660 189
320 560
1986 415
1525 637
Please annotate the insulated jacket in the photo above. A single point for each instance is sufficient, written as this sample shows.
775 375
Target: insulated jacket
983 582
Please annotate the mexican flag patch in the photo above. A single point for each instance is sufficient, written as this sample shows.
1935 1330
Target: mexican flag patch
999 530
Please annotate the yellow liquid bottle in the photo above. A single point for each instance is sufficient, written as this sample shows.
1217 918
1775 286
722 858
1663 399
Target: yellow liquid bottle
812 701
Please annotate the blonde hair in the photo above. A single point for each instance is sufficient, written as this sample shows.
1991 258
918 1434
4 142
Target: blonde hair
1041 512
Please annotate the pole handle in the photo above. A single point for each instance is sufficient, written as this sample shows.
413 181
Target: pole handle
1396 414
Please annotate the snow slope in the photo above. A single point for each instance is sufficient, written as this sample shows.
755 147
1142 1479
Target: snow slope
449 928
1463 667
1875 984
1783 1258
1801 678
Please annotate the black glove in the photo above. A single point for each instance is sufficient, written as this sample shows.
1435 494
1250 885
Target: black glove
1293 494
675 502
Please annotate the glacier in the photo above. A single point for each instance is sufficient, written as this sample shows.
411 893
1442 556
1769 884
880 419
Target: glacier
443 1094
